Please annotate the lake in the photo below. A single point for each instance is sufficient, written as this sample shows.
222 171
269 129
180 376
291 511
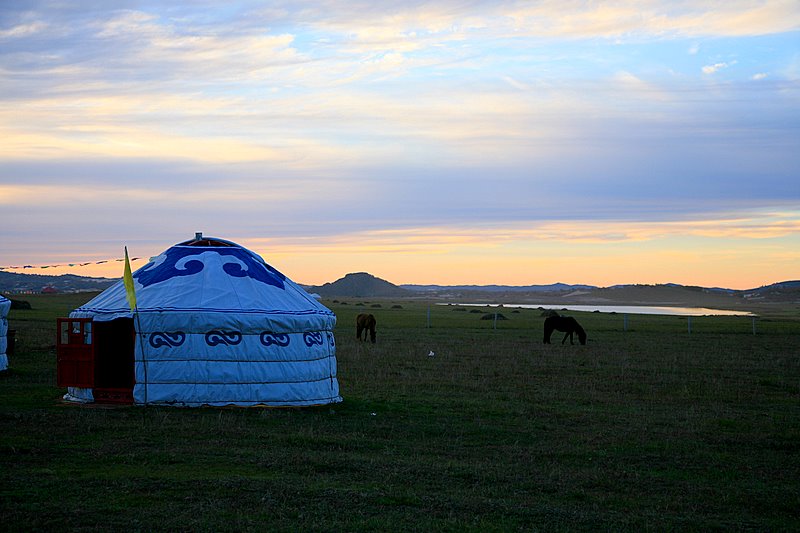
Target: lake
624 309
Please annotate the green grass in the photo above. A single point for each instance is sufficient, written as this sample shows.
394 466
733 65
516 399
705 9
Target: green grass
650 429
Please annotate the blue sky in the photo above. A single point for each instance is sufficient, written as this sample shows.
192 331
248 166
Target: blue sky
447 142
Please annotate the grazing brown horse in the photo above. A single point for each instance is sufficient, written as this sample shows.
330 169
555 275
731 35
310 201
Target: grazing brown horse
365 323
566 324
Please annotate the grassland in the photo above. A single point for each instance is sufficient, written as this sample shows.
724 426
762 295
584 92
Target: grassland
649 429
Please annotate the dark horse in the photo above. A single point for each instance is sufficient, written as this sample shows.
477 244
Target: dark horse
365 323
566 324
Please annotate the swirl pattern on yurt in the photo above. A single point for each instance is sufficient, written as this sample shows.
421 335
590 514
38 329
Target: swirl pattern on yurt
164 338
279 339
228 338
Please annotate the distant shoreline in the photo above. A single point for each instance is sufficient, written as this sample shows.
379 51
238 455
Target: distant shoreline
620 309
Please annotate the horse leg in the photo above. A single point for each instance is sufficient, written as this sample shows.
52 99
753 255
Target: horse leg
358 332
567 334
547 334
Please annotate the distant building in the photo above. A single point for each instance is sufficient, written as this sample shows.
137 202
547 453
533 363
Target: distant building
49 290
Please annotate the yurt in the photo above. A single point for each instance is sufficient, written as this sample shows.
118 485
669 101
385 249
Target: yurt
213 324
5 305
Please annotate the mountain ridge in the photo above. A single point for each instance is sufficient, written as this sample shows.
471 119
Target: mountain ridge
15 283
501 288
365 285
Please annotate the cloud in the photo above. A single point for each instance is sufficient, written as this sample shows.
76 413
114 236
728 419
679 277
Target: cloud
638 88
650 19
516 84
759 76
419 24
711 69
146 44
539 241
23 30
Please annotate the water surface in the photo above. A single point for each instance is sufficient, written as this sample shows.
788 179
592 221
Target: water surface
624 309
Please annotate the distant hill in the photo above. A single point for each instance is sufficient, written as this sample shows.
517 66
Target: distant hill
786 291
670 294
361 285
667 294
783 292
555 287
11 283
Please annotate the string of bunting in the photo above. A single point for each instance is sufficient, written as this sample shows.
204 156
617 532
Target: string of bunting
67 264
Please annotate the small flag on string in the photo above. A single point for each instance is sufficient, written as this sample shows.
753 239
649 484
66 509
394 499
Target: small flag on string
130 291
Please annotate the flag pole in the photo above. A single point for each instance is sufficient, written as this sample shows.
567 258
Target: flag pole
130 295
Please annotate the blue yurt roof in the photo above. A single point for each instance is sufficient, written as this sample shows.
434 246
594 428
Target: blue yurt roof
207 275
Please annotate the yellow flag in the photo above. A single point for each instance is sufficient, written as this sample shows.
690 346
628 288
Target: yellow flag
130 292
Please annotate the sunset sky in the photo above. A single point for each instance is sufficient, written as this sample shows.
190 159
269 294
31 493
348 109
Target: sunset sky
449 142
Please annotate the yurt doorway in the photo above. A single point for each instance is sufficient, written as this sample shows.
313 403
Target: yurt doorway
113 360
97 356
